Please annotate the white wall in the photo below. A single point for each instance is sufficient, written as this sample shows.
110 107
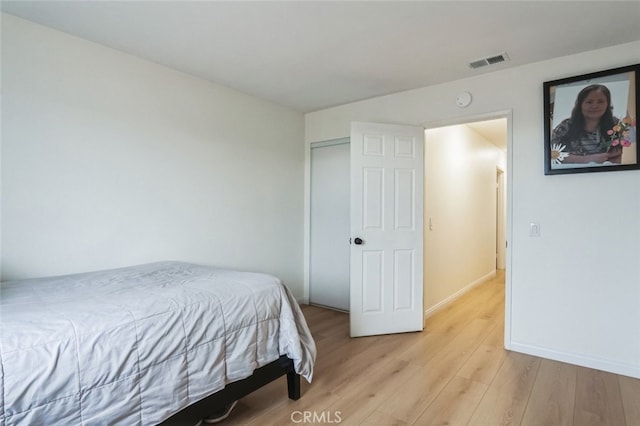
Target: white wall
574 291
109 160
460 212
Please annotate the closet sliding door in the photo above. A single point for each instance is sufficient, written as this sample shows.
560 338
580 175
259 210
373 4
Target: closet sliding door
330 224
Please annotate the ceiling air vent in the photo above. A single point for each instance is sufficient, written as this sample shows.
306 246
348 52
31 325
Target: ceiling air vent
489 60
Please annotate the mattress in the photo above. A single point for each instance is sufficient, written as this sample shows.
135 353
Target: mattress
132 346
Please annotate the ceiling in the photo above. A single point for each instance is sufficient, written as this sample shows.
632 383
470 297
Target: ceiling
310 55
495 131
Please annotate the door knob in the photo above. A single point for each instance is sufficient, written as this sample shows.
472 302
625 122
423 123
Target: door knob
358 241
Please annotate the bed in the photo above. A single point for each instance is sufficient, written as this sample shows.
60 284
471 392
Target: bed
146 344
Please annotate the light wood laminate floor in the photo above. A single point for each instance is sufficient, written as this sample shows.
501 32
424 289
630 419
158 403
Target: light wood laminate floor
455 372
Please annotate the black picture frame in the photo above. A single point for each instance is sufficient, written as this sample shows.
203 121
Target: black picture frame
613 145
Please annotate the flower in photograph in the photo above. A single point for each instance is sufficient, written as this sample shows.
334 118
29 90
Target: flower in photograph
557 153
619 134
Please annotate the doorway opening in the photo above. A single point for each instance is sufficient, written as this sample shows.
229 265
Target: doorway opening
465 208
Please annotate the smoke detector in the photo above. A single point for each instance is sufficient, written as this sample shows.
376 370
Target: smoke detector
489 60
463 99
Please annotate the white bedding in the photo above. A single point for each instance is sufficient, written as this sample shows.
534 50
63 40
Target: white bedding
132 346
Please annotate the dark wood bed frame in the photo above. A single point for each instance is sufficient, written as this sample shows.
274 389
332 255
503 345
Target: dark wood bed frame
192 414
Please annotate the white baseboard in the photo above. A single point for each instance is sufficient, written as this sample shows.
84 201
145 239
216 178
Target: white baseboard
443 303
576 359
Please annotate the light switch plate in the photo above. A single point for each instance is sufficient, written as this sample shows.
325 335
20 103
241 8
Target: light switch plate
534 229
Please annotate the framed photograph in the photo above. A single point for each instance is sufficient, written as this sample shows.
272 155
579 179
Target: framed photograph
590 122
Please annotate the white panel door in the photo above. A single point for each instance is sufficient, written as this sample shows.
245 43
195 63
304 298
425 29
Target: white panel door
387 172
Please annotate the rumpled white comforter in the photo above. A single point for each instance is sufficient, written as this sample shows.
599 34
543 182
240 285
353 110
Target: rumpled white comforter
132 346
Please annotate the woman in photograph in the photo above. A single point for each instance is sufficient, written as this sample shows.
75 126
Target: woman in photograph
585 133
